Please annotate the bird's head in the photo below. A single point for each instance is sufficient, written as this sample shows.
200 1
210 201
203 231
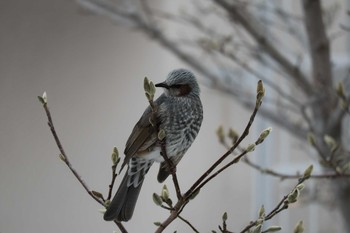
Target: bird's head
180 83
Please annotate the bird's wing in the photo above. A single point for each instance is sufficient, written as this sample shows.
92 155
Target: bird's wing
142 137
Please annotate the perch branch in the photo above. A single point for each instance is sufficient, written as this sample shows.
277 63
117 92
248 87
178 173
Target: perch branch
65 159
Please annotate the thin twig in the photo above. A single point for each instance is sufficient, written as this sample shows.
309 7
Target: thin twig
224 156
282 205
65 159
284 176
114 176
188 223
64 156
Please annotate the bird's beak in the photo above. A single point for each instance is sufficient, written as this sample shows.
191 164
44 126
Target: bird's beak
163 84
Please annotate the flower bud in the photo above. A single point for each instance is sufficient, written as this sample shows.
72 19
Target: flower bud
311 138
341 90
157 199
262 212
273 229
308 171
165 193
220 134
161 134
299 228
293 196
224 217
263 135
250 147
115 156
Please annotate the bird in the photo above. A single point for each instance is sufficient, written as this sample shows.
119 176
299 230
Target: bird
180 115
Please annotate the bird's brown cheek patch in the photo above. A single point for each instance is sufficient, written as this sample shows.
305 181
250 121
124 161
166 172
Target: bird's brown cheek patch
185 90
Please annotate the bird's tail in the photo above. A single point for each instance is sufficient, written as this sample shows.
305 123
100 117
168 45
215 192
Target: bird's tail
123 204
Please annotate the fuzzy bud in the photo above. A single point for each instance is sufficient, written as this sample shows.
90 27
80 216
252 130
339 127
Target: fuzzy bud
262 212
299 228
62 157
115 156
165 193
308 171
43 98
341 90
97 194
257 229
157 199
263 135
250 147
161 134
233 135
260 93
152 88
224 217
330 141
220 133
273 229
146 85
311 138
300 186
293 196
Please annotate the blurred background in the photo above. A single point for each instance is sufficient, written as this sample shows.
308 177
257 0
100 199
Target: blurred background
92 70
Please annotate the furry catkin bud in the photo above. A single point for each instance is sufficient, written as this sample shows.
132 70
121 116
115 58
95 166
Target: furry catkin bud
257 229
311 139
220 133
224 217
262 212
157 199
233 135
260 93
43 98
299 228
273 229
308 171
330 141
250 147
293 196
165 193
115 156
341 90
62 157
146 85
161 134
263 135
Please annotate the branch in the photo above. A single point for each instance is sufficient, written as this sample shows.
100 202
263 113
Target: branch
282 205
65 159
320 57
284 176
197 185
188 223
240 16
114 176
